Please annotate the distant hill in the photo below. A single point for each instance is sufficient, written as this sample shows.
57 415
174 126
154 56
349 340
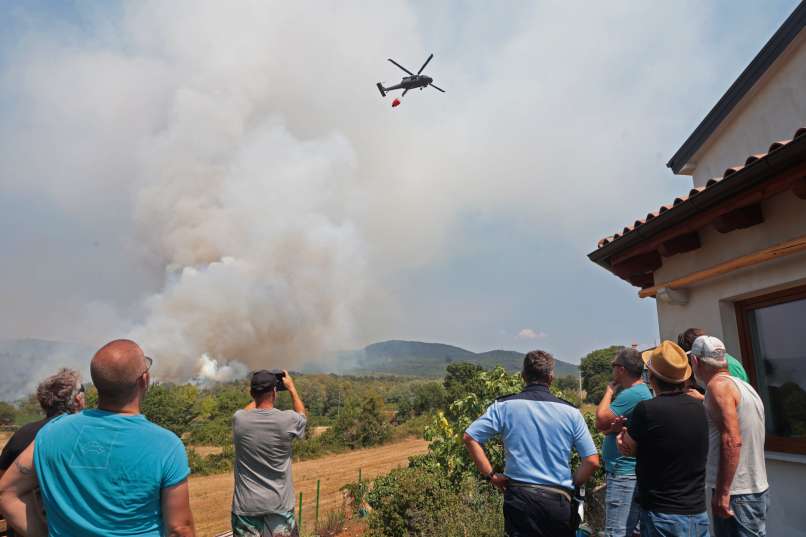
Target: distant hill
25 362
426 359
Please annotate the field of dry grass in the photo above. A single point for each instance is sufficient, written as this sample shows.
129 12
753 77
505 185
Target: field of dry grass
211 496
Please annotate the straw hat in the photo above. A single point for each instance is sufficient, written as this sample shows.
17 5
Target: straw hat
668 362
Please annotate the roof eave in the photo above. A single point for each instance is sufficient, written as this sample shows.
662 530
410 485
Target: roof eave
771 51
755 173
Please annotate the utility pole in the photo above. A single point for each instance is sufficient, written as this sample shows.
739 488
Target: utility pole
579 374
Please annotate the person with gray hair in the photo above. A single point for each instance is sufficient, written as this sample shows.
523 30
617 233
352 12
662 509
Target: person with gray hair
539 431
58 394
108 471
736 476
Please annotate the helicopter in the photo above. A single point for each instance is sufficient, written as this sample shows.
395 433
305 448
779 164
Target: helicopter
410 82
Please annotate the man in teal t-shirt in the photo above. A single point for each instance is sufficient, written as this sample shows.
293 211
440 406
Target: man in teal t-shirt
735 368
106 472
622 510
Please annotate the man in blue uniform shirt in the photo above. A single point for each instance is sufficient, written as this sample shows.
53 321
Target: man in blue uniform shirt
539 431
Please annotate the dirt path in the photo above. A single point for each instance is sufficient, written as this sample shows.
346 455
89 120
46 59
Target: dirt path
211 496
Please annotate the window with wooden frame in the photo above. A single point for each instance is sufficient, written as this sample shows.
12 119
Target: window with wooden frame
772 331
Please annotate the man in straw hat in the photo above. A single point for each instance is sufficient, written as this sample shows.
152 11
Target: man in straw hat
668 435
736 476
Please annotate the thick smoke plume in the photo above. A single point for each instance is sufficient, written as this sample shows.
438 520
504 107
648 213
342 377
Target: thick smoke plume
261 267
223 183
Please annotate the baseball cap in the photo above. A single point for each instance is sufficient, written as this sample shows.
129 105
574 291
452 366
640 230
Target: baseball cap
708 347
263 381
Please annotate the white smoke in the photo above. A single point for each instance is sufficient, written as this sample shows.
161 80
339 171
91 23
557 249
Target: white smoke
211 371
262 266
229 182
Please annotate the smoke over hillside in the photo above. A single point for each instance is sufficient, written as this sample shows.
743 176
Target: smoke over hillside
222 181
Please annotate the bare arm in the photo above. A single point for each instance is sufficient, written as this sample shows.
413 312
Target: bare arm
604 415
296 400
18 501
176 514
723 399
589 465
481 461
627 446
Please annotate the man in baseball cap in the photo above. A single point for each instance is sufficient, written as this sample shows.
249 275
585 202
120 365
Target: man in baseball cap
263 501
736 476
686 341
668 436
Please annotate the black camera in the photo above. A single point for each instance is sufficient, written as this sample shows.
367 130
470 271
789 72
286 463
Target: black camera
280 375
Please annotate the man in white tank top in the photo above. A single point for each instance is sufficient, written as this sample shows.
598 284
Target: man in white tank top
736 475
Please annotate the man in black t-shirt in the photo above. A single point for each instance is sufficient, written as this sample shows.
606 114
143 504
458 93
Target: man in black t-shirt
668 435
58 394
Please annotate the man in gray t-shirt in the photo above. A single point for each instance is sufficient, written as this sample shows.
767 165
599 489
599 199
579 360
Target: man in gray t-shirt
263 502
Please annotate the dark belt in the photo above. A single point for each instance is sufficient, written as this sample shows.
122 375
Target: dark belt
557 490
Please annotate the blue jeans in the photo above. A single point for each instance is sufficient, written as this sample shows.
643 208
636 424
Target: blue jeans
749 516
667 525
622 509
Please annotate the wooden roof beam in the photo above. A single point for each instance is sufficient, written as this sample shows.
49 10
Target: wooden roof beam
774 252
639 264
781 183
740 218
679 245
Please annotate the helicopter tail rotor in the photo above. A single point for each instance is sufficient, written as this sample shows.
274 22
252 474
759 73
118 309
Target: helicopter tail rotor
380 88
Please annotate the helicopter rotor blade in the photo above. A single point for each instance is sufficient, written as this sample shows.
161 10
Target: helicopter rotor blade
400 66
436 88
426 63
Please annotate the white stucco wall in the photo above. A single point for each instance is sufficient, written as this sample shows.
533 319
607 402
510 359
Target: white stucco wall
711 307
772 111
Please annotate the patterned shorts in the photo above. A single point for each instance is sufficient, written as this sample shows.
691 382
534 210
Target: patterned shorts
269 525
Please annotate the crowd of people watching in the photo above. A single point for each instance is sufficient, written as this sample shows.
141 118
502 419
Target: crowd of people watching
683 431
110 472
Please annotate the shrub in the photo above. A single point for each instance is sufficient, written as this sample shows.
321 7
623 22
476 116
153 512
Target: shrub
596 372
7 413
416 501
361 423
217 463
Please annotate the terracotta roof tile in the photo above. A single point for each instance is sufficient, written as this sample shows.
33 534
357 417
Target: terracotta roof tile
680 200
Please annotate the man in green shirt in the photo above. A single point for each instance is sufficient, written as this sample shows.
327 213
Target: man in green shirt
620 398
686 340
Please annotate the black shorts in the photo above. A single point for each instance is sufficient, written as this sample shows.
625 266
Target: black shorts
533 512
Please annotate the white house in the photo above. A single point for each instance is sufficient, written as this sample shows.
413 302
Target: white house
730 255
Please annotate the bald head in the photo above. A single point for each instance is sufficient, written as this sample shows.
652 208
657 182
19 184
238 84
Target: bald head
116 369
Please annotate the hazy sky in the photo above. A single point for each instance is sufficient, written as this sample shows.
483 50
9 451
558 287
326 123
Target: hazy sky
193 172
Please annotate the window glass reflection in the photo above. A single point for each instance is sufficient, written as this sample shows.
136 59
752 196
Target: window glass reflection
778 335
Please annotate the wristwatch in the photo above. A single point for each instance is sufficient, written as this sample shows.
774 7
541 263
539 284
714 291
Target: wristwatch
489 476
